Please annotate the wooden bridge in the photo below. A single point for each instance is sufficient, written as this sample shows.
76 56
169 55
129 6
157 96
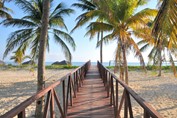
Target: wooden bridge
87 92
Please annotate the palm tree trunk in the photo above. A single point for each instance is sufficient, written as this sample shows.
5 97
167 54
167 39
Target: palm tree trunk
41 59
101 48
160 67
125 64
160 59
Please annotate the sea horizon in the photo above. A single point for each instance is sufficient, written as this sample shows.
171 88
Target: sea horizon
95 63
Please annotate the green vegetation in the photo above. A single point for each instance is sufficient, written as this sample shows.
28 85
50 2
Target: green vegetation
149 67
10 66
61 67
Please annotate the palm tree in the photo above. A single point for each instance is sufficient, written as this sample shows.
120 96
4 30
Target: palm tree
164 30
41 60
28 34
32 34
4 10
159 52
89 6
122 22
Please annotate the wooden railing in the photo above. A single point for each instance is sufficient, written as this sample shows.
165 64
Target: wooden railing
112 85
69 86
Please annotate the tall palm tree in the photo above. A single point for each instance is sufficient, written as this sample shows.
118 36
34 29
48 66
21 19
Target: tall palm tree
41 60
122 22
28 34
32 34
4 10
89 6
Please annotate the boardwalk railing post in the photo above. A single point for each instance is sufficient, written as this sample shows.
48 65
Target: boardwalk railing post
146 115
117 99
64 100
70 89
68 92
22 114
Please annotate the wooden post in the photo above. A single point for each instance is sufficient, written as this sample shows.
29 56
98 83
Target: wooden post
64 100
146 115
21 114
117 99
125 106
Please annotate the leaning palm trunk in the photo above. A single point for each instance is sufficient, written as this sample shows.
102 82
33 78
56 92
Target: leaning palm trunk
41 59
125 64
159 49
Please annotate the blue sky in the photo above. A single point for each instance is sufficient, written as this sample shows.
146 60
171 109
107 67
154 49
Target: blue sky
85 50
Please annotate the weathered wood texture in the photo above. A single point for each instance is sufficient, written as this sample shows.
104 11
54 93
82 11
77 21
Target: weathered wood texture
92 100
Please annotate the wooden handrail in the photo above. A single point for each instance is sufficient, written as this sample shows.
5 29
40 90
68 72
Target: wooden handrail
68 92
112 82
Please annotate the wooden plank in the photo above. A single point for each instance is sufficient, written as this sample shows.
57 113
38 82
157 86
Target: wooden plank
92 100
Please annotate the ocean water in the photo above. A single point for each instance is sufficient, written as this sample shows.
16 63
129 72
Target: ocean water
104 63
95 63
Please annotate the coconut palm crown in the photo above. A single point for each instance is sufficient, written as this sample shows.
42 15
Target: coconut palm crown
30 27
89 6
165 26
122 23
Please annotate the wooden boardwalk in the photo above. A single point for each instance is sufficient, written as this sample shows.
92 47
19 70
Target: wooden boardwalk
91 101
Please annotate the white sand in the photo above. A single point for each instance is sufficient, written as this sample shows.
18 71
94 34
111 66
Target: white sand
18 85
160 92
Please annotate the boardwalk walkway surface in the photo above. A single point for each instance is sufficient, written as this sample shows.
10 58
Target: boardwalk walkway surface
91 101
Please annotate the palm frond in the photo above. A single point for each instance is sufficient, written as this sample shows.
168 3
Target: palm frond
65 48
85 5
96 27
17 38
165 22
26 6
138 53
66 37
18 22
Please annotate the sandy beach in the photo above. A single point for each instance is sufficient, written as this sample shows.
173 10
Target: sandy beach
18 85
160 92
